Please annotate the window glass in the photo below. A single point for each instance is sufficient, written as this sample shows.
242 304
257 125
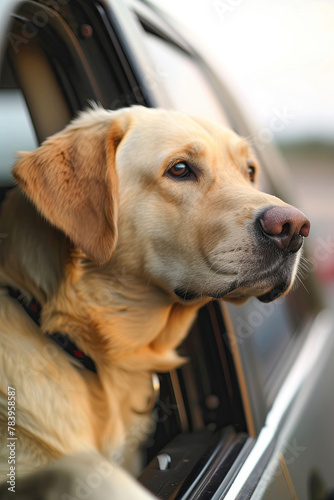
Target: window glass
265 330
16 131
187 87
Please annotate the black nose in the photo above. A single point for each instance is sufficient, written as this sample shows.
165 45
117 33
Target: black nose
286 226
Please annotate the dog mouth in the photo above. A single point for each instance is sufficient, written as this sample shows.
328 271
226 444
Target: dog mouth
268 285
265 281
232 294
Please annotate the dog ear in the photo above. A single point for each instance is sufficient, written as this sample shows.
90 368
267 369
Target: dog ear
71 179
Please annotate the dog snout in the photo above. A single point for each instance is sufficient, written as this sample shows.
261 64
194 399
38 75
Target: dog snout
285 226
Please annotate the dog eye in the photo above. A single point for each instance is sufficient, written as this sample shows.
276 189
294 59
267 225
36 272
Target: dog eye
251 173
180 170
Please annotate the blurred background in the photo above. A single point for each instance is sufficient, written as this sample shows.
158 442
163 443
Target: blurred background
279 56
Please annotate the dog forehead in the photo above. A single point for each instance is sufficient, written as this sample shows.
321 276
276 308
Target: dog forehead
164 126
226 138
156 135
158 132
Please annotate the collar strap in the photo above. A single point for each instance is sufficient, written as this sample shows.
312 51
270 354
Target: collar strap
33 309
62 340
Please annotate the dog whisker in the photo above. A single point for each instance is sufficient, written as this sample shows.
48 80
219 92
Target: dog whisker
298 279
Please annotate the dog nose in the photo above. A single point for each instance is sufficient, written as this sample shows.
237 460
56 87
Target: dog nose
286 226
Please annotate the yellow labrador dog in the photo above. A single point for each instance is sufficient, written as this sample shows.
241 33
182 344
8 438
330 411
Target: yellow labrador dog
121 227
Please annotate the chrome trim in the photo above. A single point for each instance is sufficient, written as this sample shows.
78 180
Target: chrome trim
179 401
320 339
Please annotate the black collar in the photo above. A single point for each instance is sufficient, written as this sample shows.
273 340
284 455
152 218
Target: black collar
33 309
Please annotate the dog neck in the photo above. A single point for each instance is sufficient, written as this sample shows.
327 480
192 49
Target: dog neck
117 320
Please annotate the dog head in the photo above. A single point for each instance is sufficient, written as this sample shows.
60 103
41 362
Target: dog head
171 199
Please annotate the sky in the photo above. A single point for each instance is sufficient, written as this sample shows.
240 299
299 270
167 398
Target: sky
278 54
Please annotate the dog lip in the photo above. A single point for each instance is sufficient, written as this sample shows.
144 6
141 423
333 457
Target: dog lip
274 293
186 295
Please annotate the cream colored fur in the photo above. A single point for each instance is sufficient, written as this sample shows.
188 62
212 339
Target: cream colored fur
102 236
